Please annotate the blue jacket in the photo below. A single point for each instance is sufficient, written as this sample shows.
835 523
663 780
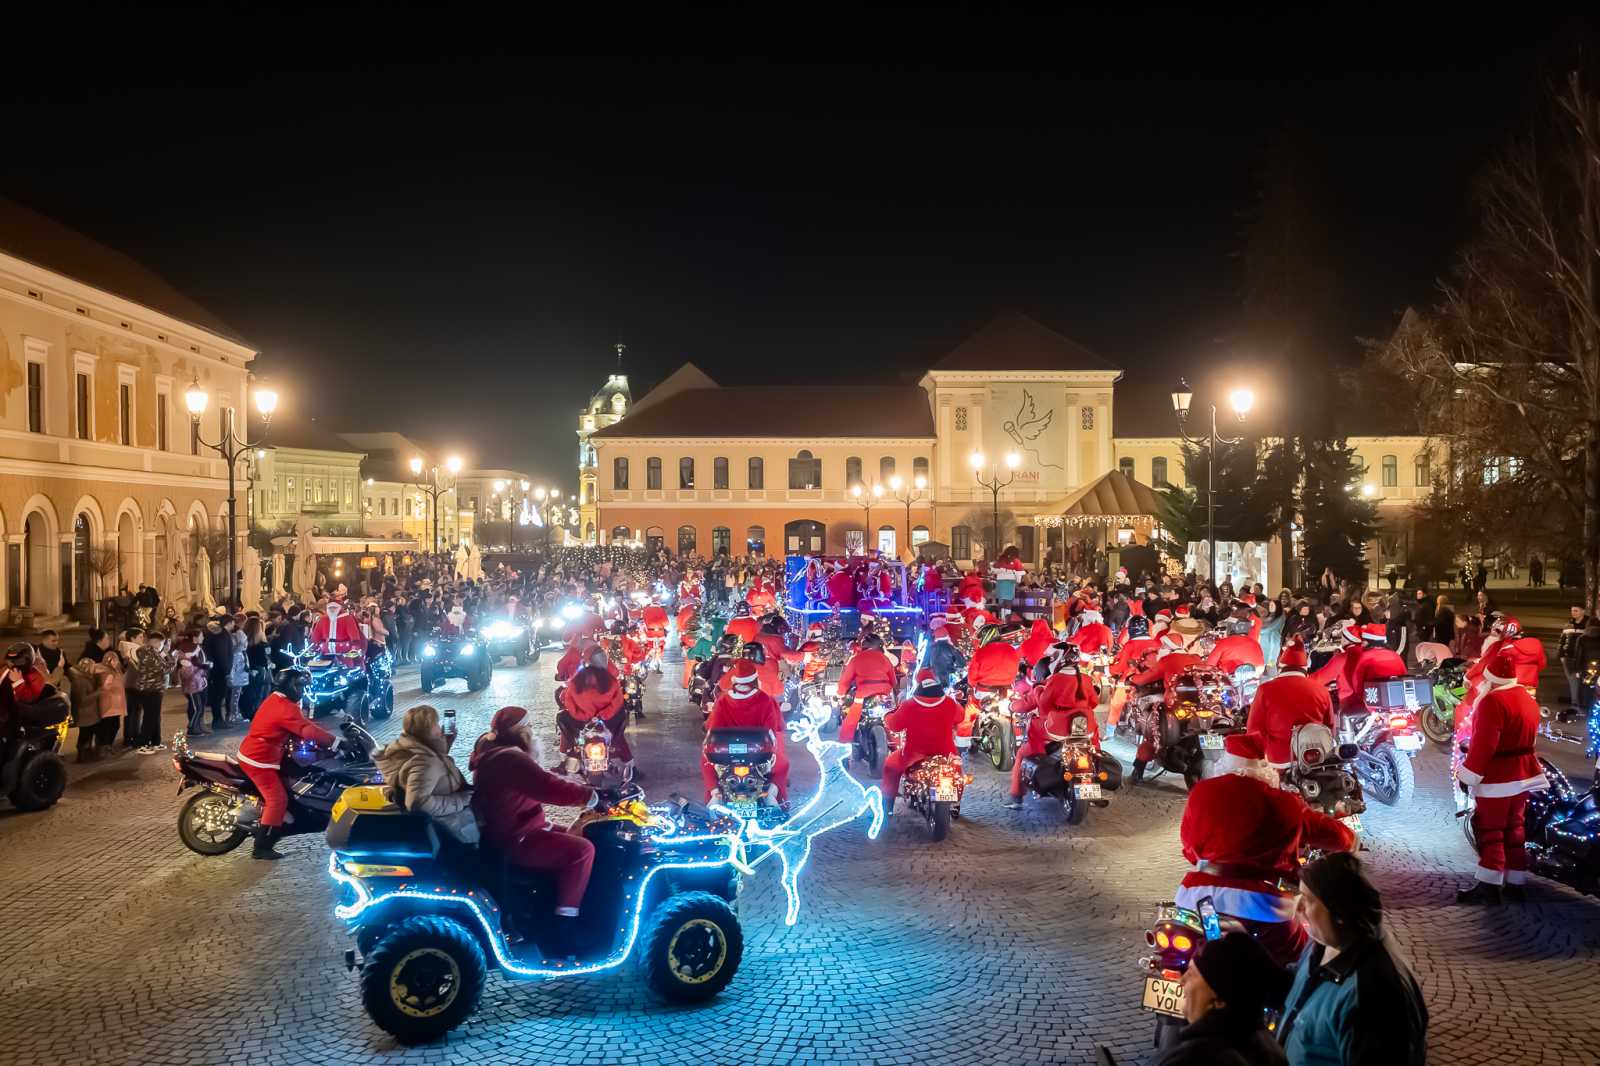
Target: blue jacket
1362 1009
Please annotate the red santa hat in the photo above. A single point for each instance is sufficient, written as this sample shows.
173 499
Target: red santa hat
1249 598
929 690
1163 615
1350 632
1246 753
746 683
1374 633
1183 610
1171 641
939 632
1246 746
1293 656
1501 670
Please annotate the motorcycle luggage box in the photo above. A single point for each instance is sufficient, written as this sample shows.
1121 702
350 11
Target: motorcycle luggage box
365 825
1399 693
727 747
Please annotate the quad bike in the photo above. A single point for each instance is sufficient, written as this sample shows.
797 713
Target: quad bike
431 916
463 655
31 770
360 687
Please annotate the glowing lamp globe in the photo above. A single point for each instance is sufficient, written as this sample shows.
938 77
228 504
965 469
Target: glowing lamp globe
266 401
977 460
196 398
416 464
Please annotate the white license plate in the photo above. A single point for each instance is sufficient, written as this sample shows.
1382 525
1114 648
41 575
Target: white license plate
1408 742
1163 996
597 766
1210 742
1088 792
1354 822
945 793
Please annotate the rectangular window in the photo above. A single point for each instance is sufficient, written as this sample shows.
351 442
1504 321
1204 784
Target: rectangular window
1391 471
1158 472
619 473
161 421
686 473
1125 464
1423 476
35 397
719 473
652 473
961 542
919 468
82 408
757 474
125 413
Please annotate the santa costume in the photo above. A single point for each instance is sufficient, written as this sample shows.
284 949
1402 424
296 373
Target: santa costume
1289 700
929 720
745 706
337 632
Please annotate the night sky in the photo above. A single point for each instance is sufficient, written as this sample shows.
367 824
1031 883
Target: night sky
442 227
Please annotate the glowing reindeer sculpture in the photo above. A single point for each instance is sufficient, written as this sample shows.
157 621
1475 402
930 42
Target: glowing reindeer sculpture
839 800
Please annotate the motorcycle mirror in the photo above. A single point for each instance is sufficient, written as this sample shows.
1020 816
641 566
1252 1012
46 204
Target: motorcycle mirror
1348 752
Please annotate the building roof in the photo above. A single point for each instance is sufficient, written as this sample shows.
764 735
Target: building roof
687 376
46 243
308 434
1013 341
892 411
1112 496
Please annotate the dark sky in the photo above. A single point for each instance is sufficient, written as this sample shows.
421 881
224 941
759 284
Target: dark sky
442 227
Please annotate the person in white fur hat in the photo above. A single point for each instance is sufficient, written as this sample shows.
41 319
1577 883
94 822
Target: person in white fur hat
1243 835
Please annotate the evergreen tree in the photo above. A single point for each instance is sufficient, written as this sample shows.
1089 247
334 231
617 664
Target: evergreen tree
1338 520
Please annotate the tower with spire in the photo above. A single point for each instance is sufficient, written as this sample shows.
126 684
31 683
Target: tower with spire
606 408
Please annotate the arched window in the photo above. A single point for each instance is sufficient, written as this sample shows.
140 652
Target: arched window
686 540
620 533
1125 465
1424 475
886 540
653 538
919 535
919 468
755 540
719 472
619 473
805 472
961 542
756 475
686 473
1158 472
721 540
652 473
886 469
852 471
1391 471
1027 542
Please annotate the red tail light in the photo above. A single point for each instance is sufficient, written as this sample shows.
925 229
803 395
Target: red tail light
1312 756
947 782
594 750
1400 722
1083 762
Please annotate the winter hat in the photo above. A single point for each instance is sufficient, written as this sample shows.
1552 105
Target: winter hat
1350 632
1245 746
1183 610
1374 633
1354 903
506 720
1501 669
1244 753
1241 972
928 684
1293 656
1171 641
745 679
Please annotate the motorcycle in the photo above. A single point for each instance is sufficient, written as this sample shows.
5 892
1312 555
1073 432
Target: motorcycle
633 692
743 760
1072 772
1322 772
933 787
995 731
216 819
1174 937
1387 737
590 758
1189 728
1438 718
870 745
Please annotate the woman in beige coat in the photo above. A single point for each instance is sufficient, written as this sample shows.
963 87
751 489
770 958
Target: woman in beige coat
423 778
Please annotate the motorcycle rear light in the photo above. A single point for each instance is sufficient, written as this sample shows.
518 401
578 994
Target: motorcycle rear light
1104 776
1083 762
1312 756
1163 941
1182 942
741 771
595 750
947 782
1172 975
373 869
1400 721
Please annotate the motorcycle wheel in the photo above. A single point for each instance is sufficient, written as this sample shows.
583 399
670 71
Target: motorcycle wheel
939 823
877 750
1435 727
382 707
1002 746
426 681
355 705
1388 777
1075 808
423 978
41 780
480 681
1191 773
522 657
538 649
692 947
205 807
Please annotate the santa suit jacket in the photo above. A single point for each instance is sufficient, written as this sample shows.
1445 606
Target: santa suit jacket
755 711
276 721
591 702
873 673
1131 651
1092 638
1243 837
1065 696
338 637
1374 664
929 725
1288 700
509 791
1230 653
841 589
1040 637
654 618
1528 655
994 665
744 626
1166 668
1501 758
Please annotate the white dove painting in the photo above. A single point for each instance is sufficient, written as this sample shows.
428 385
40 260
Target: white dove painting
1027 426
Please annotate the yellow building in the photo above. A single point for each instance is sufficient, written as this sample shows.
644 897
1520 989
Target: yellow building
104 484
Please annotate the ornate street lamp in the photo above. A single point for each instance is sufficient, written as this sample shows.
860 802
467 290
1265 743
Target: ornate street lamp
434 486
864 499
907 497
994 485
231 446
1241 400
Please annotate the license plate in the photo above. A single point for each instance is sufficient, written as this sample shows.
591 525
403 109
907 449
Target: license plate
1354 822
945 793
738 748
1163 996
1088 792
1408 742
1210 742
597 766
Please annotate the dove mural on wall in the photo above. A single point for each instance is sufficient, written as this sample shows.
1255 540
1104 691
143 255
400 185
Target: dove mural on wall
1027 426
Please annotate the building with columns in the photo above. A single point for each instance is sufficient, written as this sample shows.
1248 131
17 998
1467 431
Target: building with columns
696 466
606 408
102 484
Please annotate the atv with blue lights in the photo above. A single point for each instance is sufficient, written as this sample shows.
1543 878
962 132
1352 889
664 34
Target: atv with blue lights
464 655
508 638
431 915
358 686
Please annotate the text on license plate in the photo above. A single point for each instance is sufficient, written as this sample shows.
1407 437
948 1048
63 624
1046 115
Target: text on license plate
1408 742
597 766
944 793
1354 822
1210 741
1088 792
1163 996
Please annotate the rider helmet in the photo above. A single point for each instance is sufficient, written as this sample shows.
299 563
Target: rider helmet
743 607
1513 629
20 655
1138 626
774 623
290 683
728 643
754 652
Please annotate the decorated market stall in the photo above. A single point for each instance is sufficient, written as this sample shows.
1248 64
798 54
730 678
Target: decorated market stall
1098 521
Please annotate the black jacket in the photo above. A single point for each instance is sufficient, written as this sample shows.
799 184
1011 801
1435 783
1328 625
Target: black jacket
1225 1038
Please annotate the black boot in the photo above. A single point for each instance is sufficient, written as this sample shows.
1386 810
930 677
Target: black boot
265 838
1136 774
1513 893
1480 892
561 941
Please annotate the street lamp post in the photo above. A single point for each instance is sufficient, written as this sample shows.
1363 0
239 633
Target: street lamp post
864 499
433 487
1241 400
548 512
230 446
896 484
994 485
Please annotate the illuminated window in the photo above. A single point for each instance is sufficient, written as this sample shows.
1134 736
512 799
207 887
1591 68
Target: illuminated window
805 472
1391 471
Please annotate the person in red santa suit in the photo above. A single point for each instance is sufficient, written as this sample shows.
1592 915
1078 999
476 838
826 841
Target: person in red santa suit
970 592
337 632
1171 661
1243 834
1066 695
869 672
1289 700
1236 650
509 791
745 706
1038 641
688 623
929 719
763 595
594 692
1359 643
1527 658
1092 636
691 590
654 616
743 624
1501 767
1138 646
276 722
572 659
841 588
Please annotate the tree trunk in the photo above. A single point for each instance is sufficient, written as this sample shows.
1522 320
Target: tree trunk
1591 514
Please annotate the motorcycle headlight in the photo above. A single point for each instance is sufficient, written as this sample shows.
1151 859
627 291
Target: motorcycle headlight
572 611
429 651
467 651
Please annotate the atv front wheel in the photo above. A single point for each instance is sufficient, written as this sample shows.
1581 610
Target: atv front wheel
692 947
480 680
41 780
426 680
423 978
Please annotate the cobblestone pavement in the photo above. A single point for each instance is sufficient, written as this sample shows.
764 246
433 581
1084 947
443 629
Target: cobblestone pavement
1012 942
